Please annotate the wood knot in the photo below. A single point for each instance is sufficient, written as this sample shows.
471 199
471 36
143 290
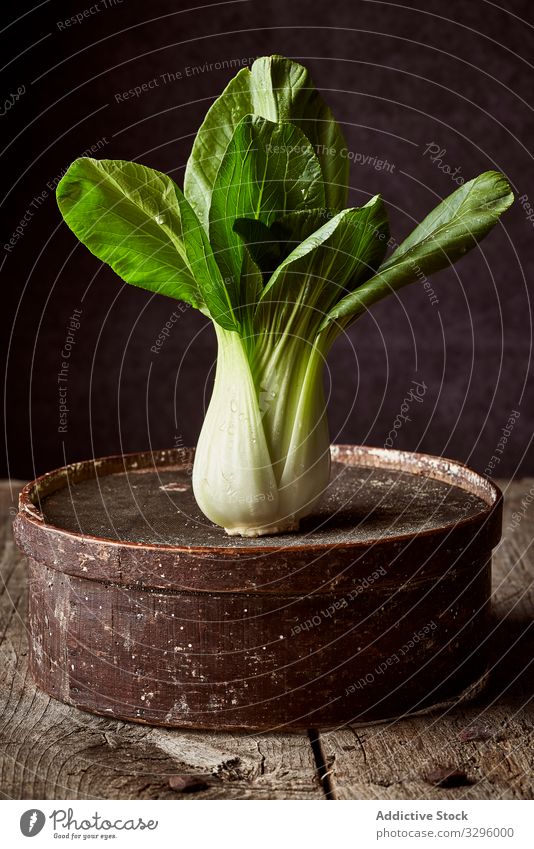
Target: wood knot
447 776
188 783
477 731
231 770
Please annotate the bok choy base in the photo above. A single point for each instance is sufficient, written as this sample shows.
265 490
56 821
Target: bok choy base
261 242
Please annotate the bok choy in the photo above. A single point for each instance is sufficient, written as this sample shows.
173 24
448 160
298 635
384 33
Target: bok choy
262 243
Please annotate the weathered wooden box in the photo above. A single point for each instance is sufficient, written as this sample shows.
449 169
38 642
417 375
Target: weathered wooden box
140 609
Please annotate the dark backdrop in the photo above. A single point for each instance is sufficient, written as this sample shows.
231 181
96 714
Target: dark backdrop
399 78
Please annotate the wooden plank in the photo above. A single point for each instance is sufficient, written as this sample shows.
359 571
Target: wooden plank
51 751
484 749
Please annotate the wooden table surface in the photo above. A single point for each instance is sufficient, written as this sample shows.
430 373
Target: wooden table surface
481 750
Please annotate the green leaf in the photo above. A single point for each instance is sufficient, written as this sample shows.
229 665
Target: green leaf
266 170
137 220
279 90
270 245
453 228
342 253
294 227
263 243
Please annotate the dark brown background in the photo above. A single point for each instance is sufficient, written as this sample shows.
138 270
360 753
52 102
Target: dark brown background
398 77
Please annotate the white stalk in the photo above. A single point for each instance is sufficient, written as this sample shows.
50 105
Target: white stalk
263 457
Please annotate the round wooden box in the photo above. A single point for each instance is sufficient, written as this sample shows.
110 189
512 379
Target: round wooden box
140 609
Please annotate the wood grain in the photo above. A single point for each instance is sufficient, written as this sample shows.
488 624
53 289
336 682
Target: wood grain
49 750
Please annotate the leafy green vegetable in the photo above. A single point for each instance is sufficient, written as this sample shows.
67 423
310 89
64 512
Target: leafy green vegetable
455 226
346 250
267 169
278 90
266 245
138 221
262 244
